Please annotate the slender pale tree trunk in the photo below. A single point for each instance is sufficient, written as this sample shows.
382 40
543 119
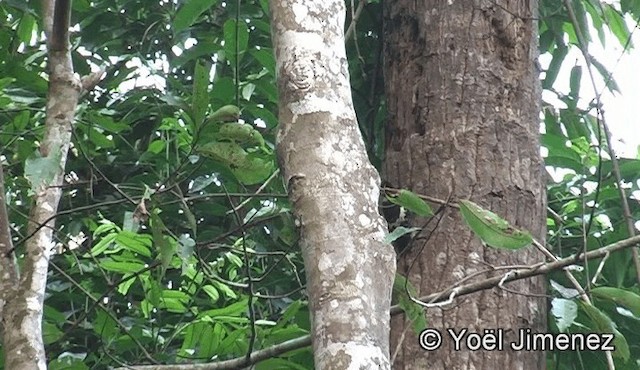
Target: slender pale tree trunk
463 102
333 188
22 292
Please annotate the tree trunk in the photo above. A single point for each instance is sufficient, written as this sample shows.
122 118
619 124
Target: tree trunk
333 188
463 102
22 292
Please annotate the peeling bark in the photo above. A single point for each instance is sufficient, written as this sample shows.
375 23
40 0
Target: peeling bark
333 188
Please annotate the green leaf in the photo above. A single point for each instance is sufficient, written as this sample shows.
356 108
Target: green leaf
411 202
581 18
235 48
493 230
137 243
166 249
104 244
574 81
413 311
189 13
225 289
630 6
105 227
224 90
227 113
241 133
156 146
249 168
279 363
616 24
201 182
105 326
69 361
247 91
212 292
200 100
234 309
265 58
565 312
26 27
40 171
99 139
172 305
558 55
50 332
186 245
603 324
624 298
398 232
612 86
122 267
21 120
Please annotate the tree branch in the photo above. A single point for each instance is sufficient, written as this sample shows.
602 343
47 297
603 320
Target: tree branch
8 269
513 275
59 38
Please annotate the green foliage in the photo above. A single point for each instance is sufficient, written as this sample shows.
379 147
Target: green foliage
493 230
411 201
403 291
159 227
158 243
584 199
398 232
41 170
189 13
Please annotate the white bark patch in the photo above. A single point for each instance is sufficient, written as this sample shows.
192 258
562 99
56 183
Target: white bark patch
33 304
348 206
330 157
359 283
458 272
364 220
47 207
374 190
315 104
337 265
534 308
325 262
474 257
300 12
335 66
441 259
299 44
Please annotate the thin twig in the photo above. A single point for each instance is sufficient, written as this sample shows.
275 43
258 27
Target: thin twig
257 192
582 45
298 343
354 19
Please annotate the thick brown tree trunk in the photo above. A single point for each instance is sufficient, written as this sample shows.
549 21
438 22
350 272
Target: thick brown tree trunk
463 102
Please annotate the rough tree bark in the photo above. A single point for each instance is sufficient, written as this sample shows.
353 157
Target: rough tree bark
463 102
333 188
22 292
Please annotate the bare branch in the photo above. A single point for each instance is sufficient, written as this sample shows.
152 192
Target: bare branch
516 274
